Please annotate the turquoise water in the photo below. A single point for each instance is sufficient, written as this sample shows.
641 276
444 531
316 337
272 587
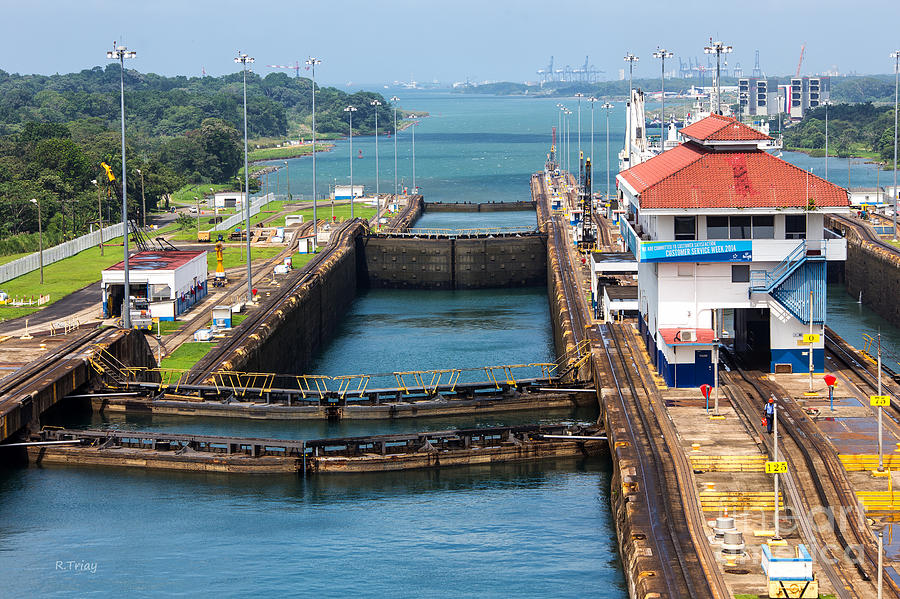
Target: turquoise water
541 529
474 220
850 319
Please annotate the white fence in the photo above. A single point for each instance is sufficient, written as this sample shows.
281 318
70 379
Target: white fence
256 204
32 262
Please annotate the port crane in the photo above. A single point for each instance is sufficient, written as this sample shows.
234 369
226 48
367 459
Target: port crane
800 62
294 67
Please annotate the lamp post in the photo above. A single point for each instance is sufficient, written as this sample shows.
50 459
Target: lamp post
593 101
607 106
197 199
120 53
413 127
630 59
244 60
662 54
394 100
41 237
579 95
376 104
351 110
896 56
568 142
287 176
826 103
560 153
312 62
143 199
718 48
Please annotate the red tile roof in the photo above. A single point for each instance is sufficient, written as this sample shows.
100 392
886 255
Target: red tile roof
701 336
721 128
170 260
693 176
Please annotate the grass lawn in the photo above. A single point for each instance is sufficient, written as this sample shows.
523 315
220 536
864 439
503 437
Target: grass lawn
63 277
185 196
287 151
341 212
7 312
186 355
237 319
300 260
233 256
167 327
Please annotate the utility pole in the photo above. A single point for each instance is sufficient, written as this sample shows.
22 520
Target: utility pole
350 110
394 100
120 53
143 199
312 62
896 56
662 54
607 106
777 536
37 203
376 104
244 60
718 48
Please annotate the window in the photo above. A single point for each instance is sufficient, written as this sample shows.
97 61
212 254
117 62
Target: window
740 273
764 227
740 227
795 226
717 227
685 228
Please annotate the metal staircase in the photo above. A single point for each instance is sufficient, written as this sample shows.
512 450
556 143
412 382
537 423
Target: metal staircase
790 283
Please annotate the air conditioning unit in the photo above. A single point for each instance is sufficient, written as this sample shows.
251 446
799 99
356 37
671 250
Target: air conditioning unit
687 336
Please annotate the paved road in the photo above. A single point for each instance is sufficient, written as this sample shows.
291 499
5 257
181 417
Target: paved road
58 311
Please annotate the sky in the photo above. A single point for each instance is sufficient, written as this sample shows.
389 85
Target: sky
381 41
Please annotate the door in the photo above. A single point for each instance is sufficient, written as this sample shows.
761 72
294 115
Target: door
703 367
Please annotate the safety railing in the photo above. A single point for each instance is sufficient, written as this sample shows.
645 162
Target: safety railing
241 384
477 232
766 280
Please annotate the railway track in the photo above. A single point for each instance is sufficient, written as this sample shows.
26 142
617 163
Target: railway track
814 462
670 498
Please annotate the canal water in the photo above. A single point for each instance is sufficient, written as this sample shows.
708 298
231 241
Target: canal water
516 529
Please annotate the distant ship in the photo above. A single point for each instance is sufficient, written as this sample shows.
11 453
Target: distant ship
360 154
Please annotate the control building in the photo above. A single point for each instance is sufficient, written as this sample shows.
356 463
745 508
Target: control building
730 243
171 282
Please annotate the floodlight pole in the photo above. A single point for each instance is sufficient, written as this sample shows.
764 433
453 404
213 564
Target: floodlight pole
243 59
120 53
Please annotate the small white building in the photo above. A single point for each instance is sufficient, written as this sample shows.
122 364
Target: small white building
719 225
172 281
342 192
867 196
228 199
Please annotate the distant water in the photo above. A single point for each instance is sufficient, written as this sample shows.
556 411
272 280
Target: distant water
474 220
850 319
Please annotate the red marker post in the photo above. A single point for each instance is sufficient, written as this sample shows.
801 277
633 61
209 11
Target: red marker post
831 381
706 390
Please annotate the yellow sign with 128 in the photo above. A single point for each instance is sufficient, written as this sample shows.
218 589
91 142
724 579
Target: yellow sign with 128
776 467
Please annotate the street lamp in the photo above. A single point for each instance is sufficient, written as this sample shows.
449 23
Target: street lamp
826 103
592 100
630 59
312 62
607 106
197 199
413 127
120 53
579 95
41 237
244 60
376 104
287 175
394 100
662 54
568 143
351 110
560 154
143 199
896 56
718 48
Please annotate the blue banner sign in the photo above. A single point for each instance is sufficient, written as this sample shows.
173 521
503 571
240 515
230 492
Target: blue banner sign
736 250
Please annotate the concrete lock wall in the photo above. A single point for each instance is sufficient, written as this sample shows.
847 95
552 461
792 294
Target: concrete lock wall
874 272
456 263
